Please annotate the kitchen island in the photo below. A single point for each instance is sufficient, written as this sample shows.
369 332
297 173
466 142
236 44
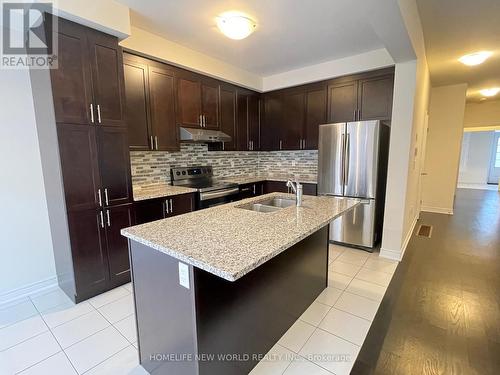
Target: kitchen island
215 289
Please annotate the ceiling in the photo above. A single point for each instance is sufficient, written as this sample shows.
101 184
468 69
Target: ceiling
453 28
290 33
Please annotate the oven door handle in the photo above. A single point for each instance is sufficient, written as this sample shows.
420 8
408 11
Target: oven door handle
219 193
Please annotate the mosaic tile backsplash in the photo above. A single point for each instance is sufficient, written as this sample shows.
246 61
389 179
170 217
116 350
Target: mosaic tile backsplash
150 168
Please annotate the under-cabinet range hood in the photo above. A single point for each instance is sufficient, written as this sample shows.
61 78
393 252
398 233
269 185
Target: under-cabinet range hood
203 135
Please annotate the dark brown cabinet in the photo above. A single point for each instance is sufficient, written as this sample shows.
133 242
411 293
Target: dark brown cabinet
94 157
293 120
315 114
228 116
115 219
248 121
114 164
270 132
280 187
251 190
197 101
363 99
161 208
150 103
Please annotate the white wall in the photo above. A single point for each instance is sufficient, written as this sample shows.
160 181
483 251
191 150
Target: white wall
371 60
410 105
27 261
444 140
475 157
482 116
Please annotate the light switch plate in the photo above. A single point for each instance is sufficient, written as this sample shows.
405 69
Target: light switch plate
184 275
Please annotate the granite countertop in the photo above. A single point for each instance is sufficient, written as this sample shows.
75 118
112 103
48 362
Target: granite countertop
228 241
159 191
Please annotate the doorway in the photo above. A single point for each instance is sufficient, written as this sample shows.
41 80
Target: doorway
494 173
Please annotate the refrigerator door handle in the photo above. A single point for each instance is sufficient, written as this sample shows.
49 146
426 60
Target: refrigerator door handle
346 159
342 162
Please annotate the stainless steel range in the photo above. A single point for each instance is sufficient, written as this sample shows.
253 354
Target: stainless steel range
211 192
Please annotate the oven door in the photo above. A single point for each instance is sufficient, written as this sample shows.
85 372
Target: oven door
217 197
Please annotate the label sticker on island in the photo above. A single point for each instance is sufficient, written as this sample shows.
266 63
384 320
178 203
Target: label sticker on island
184 275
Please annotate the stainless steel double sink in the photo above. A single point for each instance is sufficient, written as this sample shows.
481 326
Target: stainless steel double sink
268 205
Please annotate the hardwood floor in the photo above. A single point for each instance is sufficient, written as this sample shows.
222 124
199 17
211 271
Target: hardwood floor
441 313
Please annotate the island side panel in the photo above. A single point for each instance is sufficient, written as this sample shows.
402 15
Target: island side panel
164 312
248 316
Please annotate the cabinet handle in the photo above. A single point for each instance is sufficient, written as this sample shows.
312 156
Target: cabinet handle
152 143
102 219
100 197
253 189
99 113
166 206
246 189
107 218
156 142
106 196
355 113
204 121
92 113
281 144
223 143
171 206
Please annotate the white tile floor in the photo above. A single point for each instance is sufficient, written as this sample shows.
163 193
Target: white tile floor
48 335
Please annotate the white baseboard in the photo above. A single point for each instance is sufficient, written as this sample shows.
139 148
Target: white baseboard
437 210
12 296
398 254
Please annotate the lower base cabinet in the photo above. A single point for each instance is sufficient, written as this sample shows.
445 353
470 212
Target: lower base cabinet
251 190
99 252
280 187
161 208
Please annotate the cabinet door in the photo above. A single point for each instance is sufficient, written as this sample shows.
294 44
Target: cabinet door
342 102
71 81
79 166
162 104
114 162
228 116
275 187
293 120
136 105
210 104
375 98
149 210
180 204
242 122
107 78
86 229
270 130
115 219
188 101
254 121
315 116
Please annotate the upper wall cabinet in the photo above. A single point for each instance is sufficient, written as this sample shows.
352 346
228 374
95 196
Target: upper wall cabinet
88 86
363 99
197 100
248 120
150 104
228 115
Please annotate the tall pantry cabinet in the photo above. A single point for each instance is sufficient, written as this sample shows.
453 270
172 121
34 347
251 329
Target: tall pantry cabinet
88 94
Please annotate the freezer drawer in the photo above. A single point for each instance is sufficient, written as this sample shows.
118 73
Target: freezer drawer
357 226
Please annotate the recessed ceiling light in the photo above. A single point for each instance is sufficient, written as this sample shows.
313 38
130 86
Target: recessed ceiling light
475 58
490 92
235 25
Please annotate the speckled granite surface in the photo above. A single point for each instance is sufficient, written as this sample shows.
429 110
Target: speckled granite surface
159 191
230 242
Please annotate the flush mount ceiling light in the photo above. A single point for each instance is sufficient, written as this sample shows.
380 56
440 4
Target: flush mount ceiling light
475 58
235 25
490 92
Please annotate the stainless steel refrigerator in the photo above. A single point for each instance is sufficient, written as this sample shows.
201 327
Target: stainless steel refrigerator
352 162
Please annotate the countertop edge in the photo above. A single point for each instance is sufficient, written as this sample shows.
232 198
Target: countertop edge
221 273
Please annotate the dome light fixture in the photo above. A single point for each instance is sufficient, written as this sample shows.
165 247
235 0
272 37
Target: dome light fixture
490 92
475 58
235 25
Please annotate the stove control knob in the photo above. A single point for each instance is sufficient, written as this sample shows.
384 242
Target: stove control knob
178 173
183 172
